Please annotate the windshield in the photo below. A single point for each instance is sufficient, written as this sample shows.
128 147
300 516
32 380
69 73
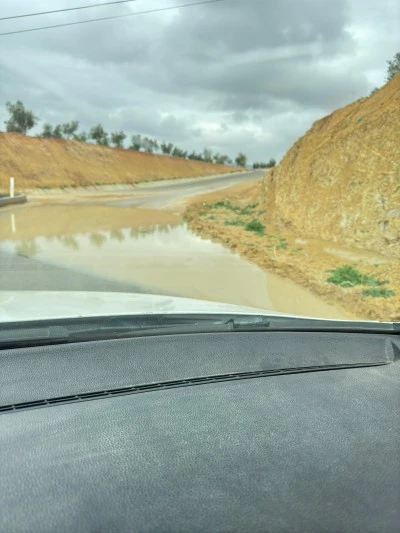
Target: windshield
233 152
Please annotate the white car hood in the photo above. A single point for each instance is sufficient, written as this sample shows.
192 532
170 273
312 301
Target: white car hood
42 305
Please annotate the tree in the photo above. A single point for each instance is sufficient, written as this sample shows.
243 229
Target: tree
271 163
70 128
21 120
58 132
81 137
166 148
393 67
178 152
195 157
149 145
47 132
221 159
241 160
118 138
98 135
136 143
154 144
207 155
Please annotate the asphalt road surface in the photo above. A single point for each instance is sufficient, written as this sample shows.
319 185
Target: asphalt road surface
160 195
26 274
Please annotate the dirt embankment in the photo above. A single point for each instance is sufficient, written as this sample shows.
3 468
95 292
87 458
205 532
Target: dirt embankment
341 180
51 163
333 202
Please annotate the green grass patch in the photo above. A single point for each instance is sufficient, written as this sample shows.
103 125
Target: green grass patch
247 210
226 204
348 276
236 222
211 217
378 292
256 227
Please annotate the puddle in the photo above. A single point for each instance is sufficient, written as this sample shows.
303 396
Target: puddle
168 258
30 222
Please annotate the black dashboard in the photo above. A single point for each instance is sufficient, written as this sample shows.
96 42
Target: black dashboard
203 432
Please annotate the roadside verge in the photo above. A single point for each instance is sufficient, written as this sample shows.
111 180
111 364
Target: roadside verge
365 285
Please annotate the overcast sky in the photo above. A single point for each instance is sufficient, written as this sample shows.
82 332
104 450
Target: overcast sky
239 75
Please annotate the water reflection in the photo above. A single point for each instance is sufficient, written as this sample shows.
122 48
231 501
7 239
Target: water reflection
47 220
117 235
97 239
69 241
27 248
170 259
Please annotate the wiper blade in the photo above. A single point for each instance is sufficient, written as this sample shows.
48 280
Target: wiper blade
171 327
62 331
84 329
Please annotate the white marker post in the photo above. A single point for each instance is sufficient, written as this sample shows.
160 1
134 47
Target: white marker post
12 187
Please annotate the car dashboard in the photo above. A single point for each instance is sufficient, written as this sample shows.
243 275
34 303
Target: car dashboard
244 431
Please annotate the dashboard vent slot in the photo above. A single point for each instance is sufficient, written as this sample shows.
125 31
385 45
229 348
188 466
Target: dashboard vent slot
165 385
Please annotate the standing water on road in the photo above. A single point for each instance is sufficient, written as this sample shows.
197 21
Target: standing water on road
164 258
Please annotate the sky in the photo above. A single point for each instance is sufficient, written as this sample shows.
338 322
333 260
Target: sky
236 75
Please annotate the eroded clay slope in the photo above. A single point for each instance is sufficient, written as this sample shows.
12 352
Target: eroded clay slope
341 180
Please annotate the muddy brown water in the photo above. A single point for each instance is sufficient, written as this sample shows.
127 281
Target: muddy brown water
122 244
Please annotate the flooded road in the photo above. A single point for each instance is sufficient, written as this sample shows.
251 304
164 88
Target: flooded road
147 250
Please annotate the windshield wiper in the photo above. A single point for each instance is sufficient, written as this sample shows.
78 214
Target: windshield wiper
85 329
61 331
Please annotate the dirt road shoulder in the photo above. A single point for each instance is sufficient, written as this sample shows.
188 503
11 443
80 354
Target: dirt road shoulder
236 218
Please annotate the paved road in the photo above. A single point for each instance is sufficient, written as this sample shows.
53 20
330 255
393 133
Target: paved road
26 274
163 194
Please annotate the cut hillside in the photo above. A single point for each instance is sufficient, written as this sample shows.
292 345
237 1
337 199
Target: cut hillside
36 162
341 180
328 217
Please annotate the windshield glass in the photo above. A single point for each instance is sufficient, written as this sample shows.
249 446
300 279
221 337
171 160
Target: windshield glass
237 152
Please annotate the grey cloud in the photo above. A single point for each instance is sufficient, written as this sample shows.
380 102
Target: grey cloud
242 75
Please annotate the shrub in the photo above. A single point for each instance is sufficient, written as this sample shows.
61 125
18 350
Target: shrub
256 226
348 276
